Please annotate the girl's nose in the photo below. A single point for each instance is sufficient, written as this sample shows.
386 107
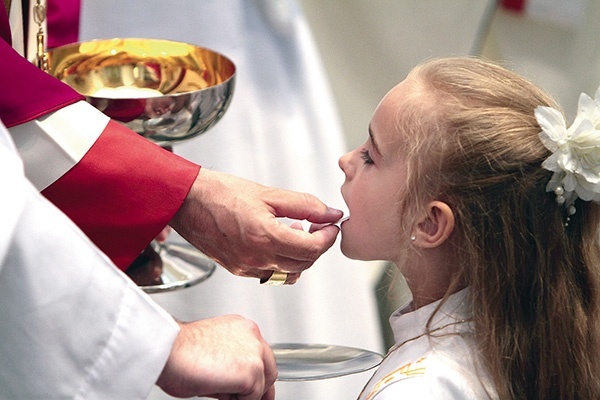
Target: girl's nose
344 163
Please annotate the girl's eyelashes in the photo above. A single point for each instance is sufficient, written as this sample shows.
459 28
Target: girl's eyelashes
364 154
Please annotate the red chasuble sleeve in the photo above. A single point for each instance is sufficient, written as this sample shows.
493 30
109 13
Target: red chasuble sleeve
123 192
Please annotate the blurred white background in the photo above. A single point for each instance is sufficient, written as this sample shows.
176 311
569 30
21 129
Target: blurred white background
370 45
366 47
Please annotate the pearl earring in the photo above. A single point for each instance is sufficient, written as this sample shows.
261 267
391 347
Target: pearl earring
413 238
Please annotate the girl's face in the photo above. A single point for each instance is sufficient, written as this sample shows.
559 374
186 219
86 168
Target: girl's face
375 177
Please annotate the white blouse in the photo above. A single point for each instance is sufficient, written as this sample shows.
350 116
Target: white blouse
441 365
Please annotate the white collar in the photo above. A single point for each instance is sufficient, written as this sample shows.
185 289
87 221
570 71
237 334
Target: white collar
407 324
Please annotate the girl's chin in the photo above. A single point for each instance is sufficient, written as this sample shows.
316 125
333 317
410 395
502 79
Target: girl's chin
353 253
348 251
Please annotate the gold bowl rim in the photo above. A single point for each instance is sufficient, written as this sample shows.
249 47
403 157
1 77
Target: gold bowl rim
120 42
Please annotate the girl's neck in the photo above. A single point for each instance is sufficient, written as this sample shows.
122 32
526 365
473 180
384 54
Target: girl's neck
430 275
424 296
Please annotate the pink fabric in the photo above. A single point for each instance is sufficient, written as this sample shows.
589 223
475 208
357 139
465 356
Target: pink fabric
27 92
4 26
63 22
514 5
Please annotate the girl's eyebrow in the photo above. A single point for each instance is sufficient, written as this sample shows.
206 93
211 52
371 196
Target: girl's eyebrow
373 141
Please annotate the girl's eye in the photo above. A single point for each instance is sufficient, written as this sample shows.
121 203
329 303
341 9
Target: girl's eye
364 154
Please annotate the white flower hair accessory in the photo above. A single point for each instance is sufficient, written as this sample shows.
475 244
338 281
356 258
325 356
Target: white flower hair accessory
575 158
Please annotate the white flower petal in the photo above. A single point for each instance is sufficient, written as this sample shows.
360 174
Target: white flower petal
566 161
588 108
593 187
583 129
575 158
569 182
552 123
584 194
585 105
551 163
548 142
591 177
597 95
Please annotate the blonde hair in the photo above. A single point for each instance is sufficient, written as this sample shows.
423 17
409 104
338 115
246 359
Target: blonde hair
534 280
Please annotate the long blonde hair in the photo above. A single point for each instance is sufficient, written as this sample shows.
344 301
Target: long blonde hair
535 281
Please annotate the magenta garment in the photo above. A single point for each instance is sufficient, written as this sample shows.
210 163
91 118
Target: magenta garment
62 20
25 91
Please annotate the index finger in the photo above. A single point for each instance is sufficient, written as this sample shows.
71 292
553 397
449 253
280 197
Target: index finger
303 206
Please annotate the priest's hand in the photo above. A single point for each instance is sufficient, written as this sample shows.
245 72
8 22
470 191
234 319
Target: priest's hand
235 221
224 358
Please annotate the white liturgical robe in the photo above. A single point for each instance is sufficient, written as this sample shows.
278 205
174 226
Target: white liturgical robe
73 325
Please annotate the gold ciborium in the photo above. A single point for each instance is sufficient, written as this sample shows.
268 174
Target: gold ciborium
167 92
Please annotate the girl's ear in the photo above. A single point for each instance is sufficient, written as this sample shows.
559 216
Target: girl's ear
435 227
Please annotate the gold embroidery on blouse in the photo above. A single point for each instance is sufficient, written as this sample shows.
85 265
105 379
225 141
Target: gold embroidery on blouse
406 371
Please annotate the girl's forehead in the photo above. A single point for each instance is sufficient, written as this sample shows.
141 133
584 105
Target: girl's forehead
398 92
403 95
392 107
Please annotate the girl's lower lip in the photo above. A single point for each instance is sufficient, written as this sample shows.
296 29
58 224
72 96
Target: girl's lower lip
316 227
341 221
